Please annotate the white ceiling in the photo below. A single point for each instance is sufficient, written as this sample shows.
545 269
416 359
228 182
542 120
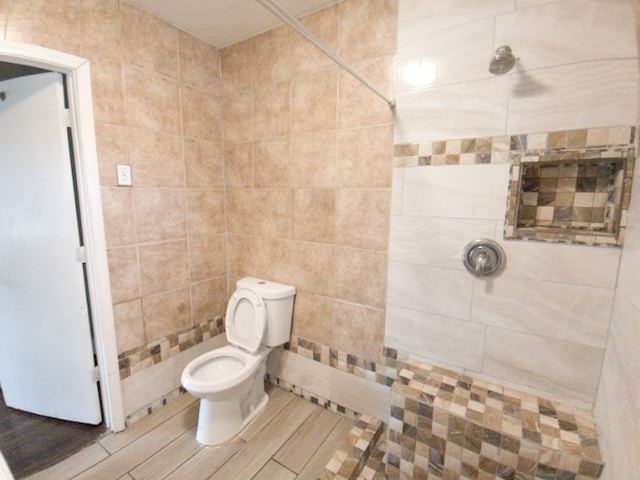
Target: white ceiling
224 22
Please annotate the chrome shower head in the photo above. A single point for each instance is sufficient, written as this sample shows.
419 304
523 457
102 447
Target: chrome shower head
503 61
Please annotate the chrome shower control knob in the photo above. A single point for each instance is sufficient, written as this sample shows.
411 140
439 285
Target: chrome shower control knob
483 257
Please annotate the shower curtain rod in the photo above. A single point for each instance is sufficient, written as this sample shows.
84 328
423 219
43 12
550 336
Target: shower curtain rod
291 21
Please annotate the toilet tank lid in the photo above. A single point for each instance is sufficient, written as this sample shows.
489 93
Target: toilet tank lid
266 289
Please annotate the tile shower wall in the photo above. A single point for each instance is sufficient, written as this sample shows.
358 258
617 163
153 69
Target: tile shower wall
617 407
542 325
559 82
157 105
308 171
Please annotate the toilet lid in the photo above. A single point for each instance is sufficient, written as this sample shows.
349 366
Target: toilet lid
245 319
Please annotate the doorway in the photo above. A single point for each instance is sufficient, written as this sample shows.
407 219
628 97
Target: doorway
47 360
46 352
31 443
76 71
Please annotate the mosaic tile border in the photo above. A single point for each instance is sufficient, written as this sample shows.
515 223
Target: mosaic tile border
280 383
354 453
559 146
311 397
448 425
153 406
383 372
494 150
141 358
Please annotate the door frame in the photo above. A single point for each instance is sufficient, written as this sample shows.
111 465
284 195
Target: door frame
77 72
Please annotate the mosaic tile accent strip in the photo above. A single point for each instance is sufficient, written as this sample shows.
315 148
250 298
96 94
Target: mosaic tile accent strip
555 208
138 359
447 425
484 150
289 387
384 372
311 397
353 454
153 406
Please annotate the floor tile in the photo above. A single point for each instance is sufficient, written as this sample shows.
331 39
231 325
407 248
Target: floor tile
306 440
135 453
315 467
265 443
169 458
291 435
274 471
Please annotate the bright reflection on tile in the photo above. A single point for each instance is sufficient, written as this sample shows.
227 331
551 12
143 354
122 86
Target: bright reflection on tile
419 73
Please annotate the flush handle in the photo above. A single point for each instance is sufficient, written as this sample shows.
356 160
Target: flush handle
483 257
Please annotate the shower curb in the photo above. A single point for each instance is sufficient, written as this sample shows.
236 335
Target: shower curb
354 453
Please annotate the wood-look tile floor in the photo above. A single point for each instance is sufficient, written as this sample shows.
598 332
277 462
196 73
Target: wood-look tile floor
31 442
291 439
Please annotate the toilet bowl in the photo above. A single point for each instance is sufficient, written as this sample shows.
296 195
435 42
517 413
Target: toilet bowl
230 380
230 384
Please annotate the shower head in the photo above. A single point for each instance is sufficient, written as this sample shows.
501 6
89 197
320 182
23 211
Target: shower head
503 61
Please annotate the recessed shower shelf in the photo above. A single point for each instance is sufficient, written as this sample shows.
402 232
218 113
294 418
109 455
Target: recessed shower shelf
574 196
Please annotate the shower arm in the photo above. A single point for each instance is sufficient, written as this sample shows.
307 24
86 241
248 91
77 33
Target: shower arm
302 30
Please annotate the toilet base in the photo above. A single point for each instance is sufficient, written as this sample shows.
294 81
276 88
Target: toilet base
219 421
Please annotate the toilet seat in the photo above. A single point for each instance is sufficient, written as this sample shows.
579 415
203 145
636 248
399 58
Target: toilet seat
207 373
245 319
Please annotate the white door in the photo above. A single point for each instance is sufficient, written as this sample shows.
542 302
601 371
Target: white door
46 351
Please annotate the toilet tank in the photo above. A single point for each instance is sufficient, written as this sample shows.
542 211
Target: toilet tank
278 299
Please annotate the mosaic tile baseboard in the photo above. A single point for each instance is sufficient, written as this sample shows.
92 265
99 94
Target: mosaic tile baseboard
311 397
484 150
384 372
289 387
138 359
351 457
153 406
446 425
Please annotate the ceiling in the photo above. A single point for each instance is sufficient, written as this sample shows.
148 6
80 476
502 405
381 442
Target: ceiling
224 22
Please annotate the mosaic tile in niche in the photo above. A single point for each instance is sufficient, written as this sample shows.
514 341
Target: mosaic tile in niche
572 197
562 203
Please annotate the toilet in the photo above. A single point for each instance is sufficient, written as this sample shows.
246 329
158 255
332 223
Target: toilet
230 380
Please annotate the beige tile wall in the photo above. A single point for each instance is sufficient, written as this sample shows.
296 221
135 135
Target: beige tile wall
157 103
308 154
305 151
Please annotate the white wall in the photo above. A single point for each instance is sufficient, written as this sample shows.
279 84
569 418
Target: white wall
617 408
542 325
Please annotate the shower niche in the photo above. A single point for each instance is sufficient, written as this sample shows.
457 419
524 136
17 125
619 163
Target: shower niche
570 196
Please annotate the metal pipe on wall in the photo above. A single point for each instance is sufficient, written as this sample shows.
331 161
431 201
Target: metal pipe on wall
291 21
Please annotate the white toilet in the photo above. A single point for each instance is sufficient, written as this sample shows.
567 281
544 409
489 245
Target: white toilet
230 380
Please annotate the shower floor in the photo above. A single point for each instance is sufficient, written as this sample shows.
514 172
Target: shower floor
30 443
